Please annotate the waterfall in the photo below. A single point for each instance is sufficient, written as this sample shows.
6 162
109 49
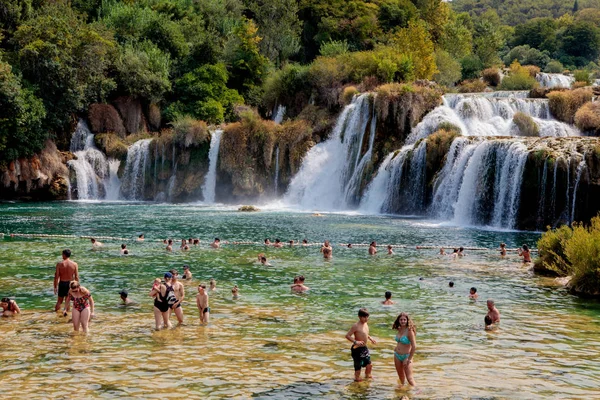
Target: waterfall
490 115
134 177
114 183
278 114
542 203
210 181
580 168
173 178
276 171
91 167
554 80
328 168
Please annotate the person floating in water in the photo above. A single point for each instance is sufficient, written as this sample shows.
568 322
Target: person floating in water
405 347
83 306
66 271
473 293
390 249
358 335
96 245
299 285
9 307
140 238
216 244
125 300
187 274
372 249
304 242
388 299
202 304
502 250
493 312
525 253
278 243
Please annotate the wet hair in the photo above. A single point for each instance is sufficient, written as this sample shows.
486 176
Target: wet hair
304 241
474 289
296 279
525 247
5 300
389 246
170 241
267 240
373 244
388 295
217 240
502 244
263 258
67 253
123 246
93 240
126 251
451 284
174 272
461 248
349 245
141 236
487 320
291 242
411 325
363 312
202 285
301 278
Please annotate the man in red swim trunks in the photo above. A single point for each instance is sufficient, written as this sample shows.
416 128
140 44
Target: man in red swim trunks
66 271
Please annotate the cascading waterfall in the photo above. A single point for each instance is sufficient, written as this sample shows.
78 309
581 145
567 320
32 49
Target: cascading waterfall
114 183
91 167
328 168
210 181
490 115
134 177
554 80
276 183
279 114
580 168
173 178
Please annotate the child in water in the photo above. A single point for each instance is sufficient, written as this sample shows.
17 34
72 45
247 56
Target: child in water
473 293
488 323
202 304
358 335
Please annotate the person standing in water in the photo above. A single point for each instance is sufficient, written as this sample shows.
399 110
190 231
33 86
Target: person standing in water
83 306
216 244
502 250
9 307
96 245
372 249
161 292
187 274
358 335
66 271
125 300
169 245
327 250
202 304
390 250
525 253
388 299
179 296
493 312
405 348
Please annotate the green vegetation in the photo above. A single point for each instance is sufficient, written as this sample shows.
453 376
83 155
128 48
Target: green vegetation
520 78
573 252
564 104
526 125
587 118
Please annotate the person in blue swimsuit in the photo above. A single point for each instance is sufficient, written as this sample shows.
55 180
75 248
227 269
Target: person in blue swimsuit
405 348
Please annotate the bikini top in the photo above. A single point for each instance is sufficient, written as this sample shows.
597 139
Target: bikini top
404 339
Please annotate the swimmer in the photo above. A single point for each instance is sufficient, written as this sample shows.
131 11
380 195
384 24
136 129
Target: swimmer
202 304
165 241
179 292
327 250
405 347
212 285
187 274
125 252
488 323
83 306
451 284
267 242
278 243
169 245
140 238
525 253
298 285
442 251
190 240
493 312
502 249
473 293
388 299
9 307
124 248
390 250
196 242
358 335
304 242
460 252
291 243
235 292
160 292
126 301
372 249
454 254
96 245
66 271
263 261
184 246
349 245
216 244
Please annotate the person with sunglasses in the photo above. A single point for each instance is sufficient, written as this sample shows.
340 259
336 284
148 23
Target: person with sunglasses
83 306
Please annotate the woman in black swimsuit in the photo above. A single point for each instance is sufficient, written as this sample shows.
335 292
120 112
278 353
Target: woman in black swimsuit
161 293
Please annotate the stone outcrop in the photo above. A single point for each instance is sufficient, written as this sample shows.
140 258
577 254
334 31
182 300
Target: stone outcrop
105 118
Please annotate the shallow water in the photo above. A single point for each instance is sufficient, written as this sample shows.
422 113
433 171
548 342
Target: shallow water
271 343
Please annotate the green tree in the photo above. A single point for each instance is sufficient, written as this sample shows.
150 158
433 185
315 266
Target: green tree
538 33
580 44
527 56
395 14
575 6
488 38
449 69
458 35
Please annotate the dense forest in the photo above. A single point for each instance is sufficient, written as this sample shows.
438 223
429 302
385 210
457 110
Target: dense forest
205 59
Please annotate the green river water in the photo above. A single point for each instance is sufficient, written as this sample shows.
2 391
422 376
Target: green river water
271 343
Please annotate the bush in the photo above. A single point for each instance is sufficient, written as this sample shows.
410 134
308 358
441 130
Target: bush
334 48
582 75
438 144
552 258
587 118
519 78
472 86
111 144
471 67
564 104
526 125
189 131
449 70
348 94
554 67
527 55
532 70
583 254
491 76
290 86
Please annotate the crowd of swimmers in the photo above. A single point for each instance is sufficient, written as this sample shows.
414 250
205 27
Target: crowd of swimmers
168 294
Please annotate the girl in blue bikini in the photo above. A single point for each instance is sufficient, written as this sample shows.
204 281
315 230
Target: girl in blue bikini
405 349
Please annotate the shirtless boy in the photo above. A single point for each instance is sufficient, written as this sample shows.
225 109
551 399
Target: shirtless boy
388 299
473 293
169 245
187 274
372 249
216 244
179 295
66 271
202 303
96 245
358 335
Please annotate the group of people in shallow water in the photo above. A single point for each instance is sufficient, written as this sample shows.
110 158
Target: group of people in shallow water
169 293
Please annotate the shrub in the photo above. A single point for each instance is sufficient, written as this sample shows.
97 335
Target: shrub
491 76
564 104
348 94
449 70
587 118
554 67
438 144
532 70
471 67
582 75
520 78
334 48
472 86
189 131
583 253
526 124
111 144
290 86
527 55
551 251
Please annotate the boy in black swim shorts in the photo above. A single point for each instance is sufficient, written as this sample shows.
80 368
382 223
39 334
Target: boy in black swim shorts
358 335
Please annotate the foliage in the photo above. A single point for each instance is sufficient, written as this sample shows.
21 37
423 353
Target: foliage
290 86
416 42
564 104
488 38
472 86
580 43
348 94
538 33
519 78
583 253
438 144
527 56
471 66
395 14
526 125
491 76
587 118
111 144
458 35
189 131
554 67
405 104
334 48
582 75
551 251
449 69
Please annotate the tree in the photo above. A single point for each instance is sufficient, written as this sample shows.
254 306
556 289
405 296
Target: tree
527 56
415 42
449 70
458 35
488 38
580 44
394 14
539 33
575 7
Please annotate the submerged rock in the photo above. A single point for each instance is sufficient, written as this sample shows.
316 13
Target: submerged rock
248 209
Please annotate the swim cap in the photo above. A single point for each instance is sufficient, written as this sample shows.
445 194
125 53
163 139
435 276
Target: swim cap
123 293
186 266
168 275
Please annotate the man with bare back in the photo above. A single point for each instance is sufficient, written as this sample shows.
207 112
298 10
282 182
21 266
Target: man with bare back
66 271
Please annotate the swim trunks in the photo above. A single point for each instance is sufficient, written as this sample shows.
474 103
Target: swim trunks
205 310
63 288
361 357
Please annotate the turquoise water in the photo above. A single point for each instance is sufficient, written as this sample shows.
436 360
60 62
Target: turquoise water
272 343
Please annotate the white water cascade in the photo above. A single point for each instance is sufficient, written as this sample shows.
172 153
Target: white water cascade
92 171
490 114
554 80
134 177
279 114
276 183
210 181
331 168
